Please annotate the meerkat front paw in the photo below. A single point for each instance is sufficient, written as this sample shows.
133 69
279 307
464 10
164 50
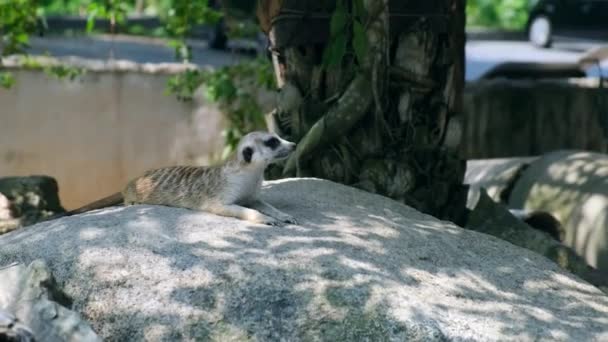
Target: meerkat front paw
270 221
288 219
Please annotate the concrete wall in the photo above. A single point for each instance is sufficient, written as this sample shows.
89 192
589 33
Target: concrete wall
94 133
507 118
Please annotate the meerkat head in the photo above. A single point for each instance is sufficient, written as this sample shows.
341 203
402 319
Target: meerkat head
263 148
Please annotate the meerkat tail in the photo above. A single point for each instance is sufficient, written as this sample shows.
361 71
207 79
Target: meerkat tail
114 199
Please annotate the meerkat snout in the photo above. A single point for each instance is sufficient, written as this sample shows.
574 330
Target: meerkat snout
284 150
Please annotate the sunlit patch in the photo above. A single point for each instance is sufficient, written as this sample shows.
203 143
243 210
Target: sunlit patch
505 269
155 331
91 233
359 265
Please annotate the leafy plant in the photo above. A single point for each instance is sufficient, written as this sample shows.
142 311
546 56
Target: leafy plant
181 17
6 79
235 89
343 24
17 20
56 70
505 14
113 10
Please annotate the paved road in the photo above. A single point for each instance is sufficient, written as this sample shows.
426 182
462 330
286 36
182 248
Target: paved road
481 55
141 50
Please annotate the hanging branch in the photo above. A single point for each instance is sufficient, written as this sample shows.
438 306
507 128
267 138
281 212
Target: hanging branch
349 109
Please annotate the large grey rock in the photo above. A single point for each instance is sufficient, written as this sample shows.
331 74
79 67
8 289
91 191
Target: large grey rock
573 187
358 267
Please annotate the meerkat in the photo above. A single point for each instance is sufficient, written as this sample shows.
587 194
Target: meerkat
228 189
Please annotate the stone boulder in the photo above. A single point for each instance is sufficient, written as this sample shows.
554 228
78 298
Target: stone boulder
27 200
573 187
358 267
497 176
31 307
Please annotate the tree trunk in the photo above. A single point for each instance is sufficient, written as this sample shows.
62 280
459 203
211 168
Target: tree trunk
386 120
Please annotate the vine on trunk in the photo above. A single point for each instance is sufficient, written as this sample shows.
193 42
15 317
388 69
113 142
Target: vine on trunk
374 116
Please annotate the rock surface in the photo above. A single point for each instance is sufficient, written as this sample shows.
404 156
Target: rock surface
12 330
29 308
359 266
495 219
497 176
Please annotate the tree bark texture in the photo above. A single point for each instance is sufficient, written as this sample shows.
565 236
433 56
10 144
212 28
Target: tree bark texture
388 123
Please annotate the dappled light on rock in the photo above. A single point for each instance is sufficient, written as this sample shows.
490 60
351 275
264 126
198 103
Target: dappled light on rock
358 266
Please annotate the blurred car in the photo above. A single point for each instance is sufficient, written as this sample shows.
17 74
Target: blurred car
587 65
551 20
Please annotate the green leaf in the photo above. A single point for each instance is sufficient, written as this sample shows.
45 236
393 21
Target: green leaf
22 38
360 42
358 9
174 43
91 20
6 80
338 19
335 51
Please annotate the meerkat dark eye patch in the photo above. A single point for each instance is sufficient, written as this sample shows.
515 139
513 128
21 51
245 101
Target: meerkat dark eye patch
272 143
247 154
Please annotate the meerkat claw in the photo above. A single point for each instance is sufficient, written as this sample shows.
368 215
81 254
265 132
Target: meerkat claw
289 220
273 222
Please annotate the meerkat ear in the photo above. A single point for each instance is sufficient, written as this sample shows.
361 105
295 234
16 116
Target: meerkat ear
247 154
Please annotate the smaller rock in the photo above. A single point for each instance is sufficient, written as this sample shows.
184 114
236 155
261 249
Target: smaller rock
32 198
495 219
30 295
11 330
6 208
541 220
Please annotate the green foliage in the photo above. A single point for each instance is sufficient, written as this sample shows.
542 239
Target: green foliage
17 20
114 10
360 44
181 17
235 89
335 51
69 7
342 25
58 71
6 79
360 41
505 14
